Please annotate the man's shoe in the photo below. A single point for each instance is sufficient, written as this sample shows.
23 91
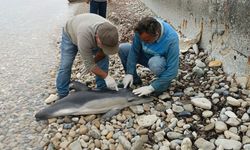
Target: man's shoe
52 98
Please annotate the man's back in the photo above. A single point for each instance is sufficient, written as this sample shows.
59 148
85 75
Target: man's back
84 23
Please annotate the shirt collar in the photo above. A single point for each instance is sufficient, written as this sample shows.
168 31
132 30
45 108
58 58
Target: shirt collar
162 30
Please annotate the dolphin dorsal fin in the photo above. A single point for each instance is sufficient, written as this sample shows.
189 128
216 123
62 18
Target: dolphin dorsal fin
78 86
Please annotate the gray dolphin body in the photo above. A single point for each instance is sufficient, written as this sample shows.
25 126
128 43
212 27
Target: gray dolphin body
86 101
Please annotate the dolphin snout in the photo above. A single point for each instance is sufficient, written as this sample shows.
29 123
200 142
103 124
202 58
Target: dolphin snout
41 116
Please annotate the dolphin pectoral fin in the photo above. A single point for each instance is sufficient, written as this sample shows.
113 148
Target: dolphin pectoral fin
110 113
78 86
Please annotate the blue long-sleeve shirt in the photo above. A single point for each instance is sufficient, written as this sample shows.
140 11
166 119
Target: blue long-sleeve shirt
166 46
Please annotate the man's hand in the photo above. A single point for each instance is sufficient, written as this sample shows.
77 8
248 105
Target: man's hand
145 90
110 82
127 80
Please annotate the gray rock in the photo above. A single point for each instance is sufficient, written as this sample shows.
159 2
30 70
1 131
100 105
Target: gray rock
125 143
64 144
94 133
225 93
209 127
248 110
204 144
207 113
85 138
229 144
138 109
187 76
202 103
164 96
233 122
220 147
106 144
104 132
177 108
246 92
164 147
230 114
156 147
246 147
219 91
117 135
245 117
129 123
138 144
245 140
160 107
199 63
233 89
146 120
220 126
174 144
248 133
97 143
189 91
234 130
186 126
178 94
231 135
243 128
119 147
51 147
188 107
198 71
173 123
174 135
159 136
75 119
67 126
76 145
232 101
223 117
186 144
215 95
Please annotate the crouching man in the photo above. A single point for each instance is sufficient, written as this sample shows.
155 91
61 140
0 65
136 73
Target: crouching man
156 46
95 38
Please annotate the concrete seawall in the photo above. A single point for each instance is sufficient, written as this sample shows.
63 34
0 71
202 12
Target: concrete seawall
224 26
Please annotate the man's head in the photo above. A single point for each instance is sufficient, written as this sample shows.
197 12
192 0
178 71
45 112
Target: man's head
149 29
108 38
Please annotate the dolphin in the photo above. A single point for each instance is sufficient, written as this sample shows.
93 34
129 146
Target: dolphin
85 101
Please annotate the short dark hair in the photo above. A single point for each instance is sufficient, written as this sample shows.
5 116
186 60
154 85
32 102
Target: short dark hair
149 25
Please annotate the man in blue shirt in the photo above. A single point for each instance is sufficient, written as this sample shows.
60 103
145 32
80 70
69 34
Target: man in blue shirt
156 46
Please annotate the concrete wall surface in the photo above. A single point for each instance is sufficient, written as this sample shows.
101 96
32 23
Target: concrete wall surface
224 26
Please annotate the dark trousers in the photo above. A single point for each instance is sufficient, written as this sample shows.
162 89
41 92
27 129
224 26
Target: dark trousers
99 8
